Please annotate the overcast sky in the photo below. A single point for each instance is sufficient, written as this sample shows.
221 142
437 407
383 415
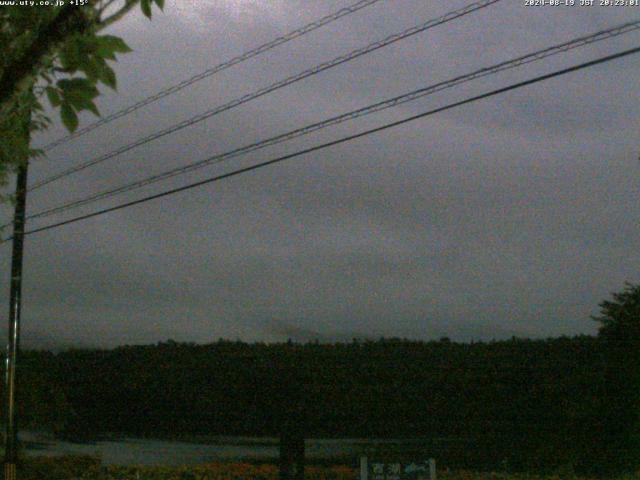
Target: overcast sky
515 215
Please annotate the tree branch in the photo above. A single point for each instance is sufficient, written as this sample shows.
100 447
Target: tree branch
129 4
104 7
71 19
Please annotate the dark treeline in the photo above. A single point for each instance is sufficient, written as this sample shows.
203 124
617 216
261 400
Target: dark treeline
520 404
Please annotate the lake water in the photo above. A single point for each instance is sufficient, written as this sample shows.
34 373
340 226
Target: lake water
136 451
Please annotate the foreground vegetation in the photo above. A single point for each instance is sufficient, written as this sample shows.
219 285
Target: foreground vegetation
85 468
533 405
516 405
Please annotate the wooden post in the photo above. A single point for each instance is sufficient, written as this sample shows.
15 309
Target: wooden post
292 425
364 468
292 461
432 469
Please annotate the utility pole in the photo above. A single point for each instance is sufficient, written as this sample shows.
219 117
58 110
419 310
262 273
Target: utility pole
15 303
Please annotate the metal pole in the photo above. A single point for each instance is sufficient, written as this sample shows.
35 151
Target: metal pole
13 343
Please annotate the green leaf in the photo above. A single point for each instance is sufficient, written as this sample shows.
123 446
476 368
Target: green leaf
92 69
70 56
78 86
108 77
98 70
104 48
91 107
69 117
79 93
145 5
106 53
160 4
112 43
80 101
53 96
76 99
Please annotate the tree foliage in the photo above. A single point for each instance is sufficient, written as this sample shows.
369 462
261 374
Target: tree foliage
620 317
559 404
529 404
59 53
620 336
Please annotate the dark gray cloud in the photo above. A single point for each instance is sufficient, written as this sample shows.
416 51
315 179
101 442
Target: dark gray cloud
512 216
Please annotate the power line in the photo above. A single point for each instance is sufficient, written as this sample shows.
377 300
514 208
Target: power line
341 140
213 70
273 87
408 97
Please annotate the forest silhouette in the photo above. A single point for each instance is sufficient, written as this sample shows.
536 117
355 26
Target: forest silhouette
520 404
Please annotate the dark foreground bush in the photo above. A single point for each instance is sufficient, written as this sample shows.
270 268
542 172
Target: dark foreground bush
59 468
88 468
